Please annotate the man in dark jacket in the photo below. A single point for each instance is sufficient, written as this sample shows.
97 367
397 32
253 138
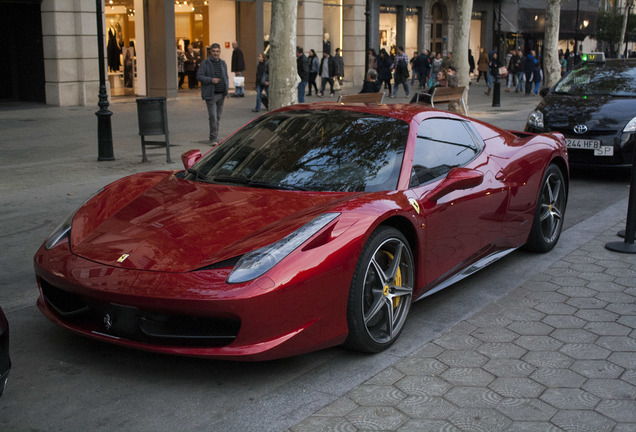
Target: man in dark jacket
327 71
238 66
214 87
422 66
302 66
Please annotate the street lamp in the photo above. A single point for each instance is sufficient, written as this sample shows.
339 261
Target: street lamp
576 33
104 129
496 90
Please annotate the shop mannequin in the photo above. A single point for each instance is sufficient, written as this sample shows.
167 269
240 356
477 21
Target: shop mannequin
326 44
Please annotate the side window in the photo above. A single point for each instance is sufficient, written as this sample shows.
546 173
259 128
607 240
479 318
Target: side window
442 144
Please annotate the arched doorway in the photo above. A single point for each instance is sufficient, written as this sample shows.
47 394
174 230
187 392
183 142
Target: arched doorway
437 28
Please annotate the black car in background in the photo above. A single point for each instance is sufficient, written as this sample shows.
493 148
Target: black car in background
594 107
5 362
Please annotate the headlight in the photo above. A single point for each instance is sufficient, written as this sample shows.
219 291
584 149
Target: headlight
64 228
60 232
631 126
256 263
536 119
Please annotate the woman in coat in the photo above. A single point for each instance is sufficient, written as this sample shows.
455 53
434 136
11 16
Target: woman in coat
482 65
384 69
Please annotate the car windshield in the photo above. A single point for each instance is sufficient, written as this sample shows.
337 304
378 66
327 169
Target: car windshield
319 150
600 80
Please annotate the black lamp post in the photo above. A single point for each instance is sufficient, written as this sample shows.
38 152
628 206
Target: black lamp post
496 87
104 129
576 34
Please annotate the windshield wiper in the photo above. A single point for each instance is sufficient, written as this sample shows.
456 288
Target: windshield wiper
255 183
197 174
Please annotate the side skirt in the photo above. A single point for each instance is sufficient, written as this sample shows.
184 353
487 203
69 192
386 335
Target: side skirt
473 268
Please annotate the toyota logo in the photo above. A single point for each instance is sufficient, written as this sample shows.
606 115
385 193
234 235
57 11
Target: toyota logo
580 129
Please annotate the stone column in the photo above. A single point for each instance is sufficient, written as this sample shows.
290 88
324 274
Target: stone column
69 39
354 43
309 26
161 53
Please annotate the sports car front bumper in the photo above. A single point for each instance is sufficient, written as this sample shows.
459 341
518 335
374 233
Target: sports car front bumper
289 311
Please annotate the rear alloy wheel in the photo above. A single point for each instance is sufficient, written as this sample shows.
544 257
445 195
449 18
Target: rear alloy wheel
381 291
548 218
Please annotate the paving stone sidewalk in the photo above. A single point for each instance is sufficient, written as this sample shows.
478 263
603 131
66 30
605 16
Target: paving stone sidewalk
558 353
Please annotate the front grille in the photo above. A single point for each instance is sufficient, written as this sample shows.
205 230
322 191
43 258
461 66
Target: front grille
136 324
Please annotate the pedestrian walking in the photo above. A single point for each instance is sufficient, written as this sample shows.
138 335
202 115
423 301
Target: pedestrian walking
528 69
191 66
422 68
536 76
327 72
262 82
180 66
314 65
302 67
471 62
373 59
339 66
238 66
482 65
384 69
493 70
214 87
401 71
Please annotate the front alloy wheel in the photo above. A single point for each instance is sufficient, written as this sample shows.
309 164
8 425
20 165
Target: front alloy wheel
381 291
548 219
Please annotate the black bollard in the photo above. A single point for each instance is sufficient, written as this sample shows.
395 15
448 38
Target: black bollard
628 245
496 92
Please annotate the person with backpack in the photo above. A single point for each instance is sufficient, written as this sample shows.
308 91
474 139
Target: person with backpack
401 71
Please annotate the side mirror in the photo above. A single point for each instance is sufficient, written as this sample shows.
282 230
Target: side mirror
544 91
456 179
190 157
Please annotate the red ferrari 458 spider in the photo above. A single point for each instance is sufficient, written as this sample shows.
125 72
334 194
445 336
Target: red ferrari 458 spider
311 226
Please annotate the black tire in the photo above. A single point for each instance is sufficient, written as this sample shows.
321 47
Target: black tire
381 291
548 216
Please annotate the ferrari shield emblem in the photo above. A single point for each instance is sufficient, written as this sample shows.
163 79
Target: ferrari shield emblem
123 258
415 205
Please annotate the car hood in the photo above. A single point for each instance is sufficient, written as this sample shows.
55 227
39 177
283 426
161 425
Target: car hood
178 226
596 112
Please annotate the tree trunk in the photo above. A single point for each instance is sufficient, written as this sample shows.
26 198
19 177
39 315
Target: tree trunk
551 66
461 39
283 73
621 50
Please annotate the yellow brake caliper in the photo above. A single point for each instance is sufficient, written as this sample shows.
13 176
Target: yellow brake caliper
398 282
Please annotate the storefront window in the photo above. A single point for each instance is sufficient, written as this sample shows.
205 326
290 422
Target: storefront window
412 30
388 28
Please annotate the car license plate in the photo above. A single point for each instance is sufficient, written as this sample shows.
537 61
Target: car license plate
583 143
599 150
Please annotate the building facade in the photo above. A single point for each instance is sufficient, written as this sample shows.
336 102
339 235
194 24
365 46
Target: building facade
141 38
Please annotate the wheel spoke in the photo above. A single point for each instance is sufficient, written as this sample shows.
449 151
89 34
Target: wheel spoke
375 309
555 192
545 212
401 291
378 270
395 264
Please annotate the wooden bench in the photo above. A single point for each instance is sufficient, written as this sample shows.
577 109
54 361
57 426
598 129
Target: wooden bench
367 98
443 95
